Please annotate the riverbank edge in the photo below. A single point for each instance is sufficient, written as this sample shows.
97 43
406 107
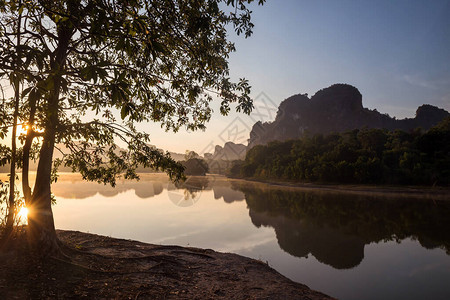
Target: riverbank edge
101 267
417 192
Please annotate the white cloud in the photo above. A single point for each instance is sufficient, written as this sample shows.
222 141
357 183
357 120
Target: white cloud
418 81
421 81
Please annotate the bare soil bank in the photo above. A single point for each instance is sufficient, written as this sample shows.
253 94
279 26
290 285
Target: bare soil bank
107 268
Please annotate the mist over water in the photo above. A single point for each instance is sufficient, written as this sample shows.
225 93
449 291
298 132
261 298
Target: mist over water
348 246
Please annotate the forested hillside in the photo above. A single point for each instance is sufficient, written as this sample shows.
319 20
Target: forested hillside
374 156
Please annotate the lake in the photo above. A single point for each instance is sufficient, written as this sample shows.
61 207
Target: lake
345 245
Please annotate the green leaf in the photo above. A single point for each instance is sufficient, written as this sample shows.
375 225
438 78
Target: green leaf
26 91
124 112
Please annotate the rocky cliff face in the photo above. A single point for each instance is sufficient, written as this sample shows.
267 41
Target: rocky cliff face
230 151
334 109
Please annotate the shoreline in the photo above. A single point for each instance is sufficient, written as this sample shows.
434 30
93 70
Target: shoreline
388 191
104 267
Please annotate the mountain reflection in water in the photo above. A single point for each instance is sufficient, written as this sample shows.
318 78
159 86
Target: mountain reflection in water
151 185
333 227
72 186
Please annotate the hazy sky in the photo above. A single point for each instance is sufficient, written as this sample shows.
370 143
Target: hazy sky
397 53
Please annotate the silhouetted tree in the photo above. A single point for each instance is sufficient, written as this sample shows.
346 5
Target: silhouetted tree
81 61
195 166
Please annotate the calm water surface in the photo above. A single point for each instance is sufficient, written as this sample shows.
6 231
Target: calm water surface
350 247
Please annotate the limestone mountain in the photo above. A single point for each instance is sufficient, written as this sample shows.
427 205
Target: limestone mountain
230 151
337 108
220 161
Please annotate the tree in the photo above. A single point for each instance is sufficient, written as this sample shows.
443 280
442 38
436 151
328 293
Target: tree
14 105
190 155
84 62
195 166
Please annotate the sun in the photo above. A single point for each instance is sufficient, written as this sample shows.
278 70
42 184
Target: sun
23 213
22 129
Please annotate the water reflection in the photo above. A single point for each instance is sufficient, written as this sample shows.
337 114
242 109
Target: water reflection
193 184
72 186
335 228
187 193
222 190
280 225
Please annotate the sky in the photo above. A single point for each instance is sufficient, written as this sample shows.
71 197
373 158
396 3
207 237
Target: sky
397 53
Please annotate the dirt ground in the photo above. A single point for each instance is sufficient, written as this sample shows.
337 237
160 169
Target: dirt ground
98 267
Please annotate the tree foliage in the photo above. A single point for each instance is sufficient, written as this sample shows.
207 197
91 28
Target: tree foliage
195 166
91 70
160 61
359 156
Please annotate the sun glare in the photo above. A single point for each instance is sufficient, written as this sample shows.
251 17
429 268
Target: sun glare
22 129
23 213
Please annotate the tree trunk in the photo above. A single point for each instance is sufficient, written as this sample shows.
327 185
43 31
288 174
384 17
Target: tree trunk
41 227
26 167
12 175
12 178
26 150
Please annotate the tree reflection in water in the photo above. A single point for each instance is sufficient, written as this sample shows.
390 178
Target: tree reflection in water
335 227
71 186
186 193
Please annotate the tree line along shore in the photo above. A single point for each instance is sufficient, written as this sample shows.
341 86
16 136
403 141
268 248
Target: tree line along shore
360 156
